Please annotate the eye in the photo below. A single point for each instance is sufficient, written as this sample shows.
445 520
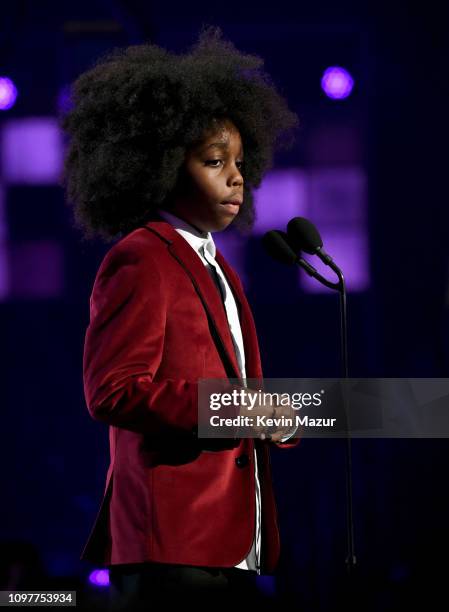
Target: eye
214 163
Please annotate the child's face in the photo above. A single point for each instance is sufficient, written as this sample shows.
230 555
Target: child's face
214 179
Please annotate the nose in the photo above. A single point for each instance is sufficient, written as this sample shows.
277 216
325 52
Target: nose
235 177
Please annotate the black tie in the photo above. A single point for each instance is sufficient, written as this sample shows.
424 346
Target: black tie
214 275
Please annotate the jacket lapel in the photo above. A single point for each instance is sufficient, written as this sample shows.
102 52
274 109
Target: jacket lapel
251 346
181 250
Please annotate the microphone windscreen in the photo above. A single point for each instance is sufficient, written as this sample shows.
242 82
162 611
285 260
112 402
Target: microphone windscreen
276 245
304 236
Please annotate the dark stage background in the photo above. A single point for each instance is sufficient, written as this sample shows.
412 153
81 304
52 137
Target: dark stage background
384 148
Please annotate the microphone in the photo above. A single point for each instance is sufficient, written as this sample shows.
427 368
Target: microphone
278 246
304 236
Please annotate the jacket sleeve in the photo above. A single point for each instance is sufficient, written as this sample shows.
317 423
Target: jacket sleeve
124 346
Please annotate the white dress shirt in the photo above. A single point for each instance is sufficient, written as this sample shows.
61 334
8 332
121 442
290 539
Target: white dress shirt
203 244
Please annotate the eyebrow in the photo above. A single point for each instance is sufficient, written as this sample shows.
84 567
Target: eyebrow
221 145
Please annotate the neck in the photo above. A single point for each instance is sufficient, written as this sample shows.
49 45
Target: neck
181 215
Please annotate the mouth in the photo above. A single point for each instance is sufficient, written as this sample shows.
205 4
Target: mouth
232 207
236 198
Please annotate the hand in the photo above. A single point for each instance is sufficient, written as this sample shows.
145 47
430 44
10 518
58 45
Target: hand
271 421
288 415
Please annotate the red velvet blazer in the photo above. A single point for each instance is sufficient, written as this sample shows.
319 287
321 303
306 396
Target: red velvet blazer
157 325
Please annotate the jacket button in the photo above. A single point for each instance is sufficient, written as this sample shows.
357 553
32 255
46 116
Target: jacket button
242 461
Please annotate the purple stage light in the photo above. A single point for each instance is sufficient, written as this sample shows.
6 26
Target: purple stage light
8 93
337 83
32 151
99 578
282 195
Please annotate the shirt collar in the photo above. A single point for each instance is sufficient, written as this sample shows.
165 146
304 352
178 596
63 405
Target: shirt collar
195 238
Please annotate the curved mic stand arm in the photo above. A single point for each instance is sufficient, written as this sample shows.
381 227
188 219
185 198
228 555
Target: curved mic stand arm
302 263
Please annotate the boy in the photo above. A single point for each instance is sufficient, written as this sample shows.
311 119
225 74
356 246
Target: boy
165 150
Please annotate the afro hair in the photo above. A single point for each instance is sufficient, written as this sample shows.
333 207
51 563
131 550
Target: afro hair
135 114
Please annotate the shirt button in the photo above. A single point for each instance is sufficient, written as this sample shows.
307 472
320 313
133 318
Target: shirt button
242 461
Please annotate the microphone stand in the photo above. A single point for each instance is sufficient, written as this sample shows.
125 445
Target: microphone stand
351 559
